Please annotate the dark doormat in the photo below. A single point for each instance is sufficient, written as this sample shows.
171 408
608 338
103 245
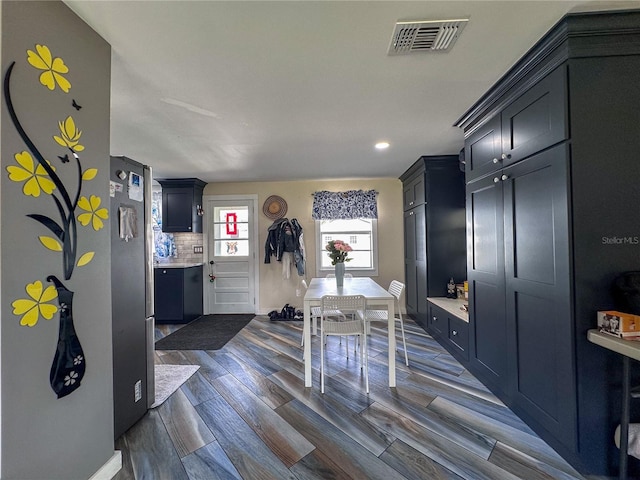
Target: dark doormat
209 332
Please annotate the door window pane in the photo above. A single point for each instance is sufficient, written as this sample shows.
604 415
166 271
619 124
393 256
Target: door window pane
231 231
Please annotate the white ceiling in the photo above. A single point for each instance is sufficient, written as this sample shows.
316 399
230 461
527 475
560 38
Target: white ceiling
259 90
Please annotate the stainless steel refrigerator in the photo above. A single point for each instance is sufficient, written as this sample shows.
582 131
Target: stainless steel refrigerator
131 291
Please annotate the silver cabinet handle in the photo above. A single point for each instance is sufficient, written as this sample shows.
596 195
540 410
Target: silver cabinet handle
495 160
410 203
410 213
496 180
164 271
454 333
504 177
505 156
435 319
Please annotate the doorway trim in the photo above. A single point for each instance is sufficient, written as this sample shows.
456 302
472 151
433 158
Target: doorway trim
206 228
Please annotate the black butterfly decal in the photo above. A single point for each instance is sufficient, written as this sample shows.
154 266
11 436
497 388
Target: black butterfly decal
75 105
64 159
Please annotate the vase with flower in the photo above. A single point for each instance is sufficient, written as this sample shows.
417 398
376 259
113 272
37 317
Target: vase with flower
338 252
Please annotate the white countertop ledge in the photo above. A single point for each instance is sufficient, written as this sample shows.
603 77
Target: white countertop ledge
630 348
177 264
451 305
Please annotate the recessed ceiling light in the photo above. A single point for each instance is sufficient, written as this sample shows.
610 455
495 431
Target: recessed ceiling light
382 145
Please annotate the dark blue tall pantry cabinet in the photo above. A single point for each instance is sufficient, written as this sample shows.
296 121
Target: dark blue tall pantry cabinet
552 155
434 239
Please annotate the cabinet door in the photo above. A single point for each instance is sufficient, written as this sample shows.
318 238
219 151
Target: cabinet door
168 290
414 191
538 291
536 120
482 150
177 209
485 270
416 263
192 293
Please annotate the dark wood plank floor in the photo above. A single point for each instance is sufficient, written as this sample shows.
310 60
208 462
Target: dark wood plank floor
246 415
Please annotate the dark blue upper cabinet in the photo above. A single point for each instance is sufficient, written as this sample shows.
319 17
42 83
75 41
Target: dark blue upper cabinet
182 204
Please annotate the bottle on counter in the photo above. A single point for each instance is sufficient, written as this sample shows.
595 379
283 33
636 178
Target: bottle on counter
451 289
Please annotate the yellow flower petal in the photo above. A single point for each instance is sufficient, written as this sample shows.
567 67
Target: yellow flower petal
22 305
64 84
78 148
18 174
49 294
85 218
25 160
45 54
36 61
102 213
58 66
86 258
69 127
34 290
47 185
50 243
90 174
97 223
84 204
95 202
46 79
30 318
48 311
60 141
41 171
31 188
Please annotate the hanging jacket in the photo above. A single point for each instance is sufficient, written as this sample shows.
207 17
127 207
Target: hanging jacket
298 252
273 240
284 236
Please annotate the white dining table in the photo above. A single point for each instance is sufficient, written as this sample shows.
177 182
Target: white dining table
375 295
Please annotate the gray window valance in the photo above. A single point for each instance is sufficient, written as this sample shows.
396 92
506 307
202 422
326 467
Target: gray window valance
345 205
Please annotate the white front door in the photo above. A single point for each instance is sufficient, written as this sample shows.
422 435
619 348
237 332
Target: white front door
231 258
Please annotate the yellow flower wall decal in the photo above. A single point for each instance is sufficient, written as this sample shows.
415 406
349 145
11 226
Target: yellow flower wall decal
32 308
95 214
89 174
69 135
50 243
53 68
35 177
86 258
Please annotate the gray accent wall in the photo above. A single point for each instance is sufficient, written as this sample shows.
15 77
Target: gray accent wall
45 437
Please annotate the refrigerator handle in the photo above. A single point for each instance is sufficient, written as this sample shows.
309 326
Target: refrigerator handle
148 240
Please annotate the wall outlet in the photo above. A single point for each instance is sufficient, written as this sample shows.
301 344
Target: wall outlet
197 249
137 391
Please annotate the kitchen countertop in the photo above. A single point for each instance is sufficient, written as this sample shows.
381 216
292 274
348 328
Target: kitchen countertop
451 305
177 264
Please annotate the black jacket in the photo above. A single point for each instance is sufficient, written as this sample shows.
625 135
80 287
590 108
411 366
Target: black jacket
282 236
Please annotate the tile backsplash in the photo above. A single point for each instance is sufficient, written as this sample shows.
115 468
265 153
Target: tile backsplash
184 246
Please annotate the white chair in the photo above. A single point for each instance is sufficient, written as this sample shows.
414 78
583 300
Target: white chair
315 311
334 322
396 289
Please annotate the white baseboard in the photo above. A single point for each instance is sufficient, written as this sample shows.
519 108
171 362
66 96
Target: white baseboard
109 469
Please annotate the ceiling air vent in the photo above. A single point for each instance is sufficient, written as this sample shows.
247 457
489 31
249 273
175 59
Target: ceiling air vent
425 36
